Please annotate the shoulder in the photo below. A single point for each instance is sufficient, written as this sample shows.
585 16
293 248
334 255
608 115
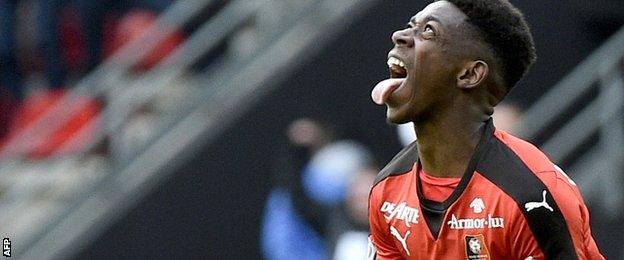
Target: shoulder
530 155
525 172
548 199
551 175
401 163
514 165
390 180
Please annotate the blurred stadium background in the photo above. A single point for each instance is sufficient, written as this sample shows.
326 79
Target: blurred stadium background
215 129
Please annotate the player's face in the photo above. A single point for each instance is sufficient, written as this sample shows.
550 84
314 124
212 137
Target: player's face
422 55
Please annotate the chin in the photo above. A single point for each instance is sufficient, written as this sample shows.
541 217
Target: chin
398 116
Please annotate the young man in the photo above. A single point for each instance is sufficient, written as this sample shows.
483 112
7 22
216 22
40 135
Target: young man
465 190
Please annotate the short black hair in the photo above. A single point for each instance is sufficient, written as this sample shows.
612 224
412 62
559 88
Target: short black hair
503 27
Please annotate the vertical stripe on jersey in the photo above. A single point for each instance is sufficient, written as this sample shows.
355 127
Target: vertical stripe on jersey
507 171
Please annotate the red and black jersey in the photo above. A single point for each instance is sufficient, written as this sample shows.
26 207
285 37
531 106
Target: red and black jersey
511 203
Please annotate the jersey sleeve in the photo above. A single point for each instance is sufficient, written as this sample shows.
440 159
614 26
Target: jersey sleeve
575 213
381 246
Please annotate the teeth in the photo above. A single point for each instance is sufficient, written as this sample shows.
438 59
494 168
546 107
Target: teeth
392 61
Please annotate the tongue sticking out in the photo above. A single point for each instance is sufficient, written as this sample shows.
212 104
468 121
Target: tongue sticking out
383 89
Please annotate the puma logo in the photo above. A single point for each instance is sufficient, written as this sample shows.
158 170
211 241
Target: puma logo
533 205
396 234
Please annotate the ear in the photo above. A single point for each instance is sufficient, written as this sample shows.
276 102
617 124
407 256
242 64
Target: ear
472 74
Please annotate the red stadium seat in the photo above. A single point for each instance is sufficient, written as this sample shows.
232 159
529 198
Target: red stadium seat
62 140
131 26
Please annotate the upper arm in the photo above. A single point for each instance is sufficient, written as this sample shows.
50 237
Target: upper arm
570 201
574 212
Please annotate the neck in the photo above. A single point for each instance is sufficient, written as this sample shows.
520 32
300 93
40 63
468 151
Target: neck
447 140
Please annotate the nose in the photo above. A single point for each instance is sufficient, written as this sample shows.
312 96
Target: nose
401 38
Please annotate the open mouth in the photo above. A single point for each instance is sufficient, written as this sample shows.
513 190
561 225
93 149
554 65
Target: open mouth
397 68
398 74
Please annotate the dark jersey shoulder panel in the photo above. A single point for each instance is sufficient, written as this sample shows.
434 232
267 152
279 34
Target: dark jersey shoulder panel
503 167
401 163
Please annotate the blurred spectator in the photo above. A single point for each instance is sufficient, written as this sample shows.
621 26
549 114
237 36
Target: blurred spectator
309 134
351 240
327 175
314 176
